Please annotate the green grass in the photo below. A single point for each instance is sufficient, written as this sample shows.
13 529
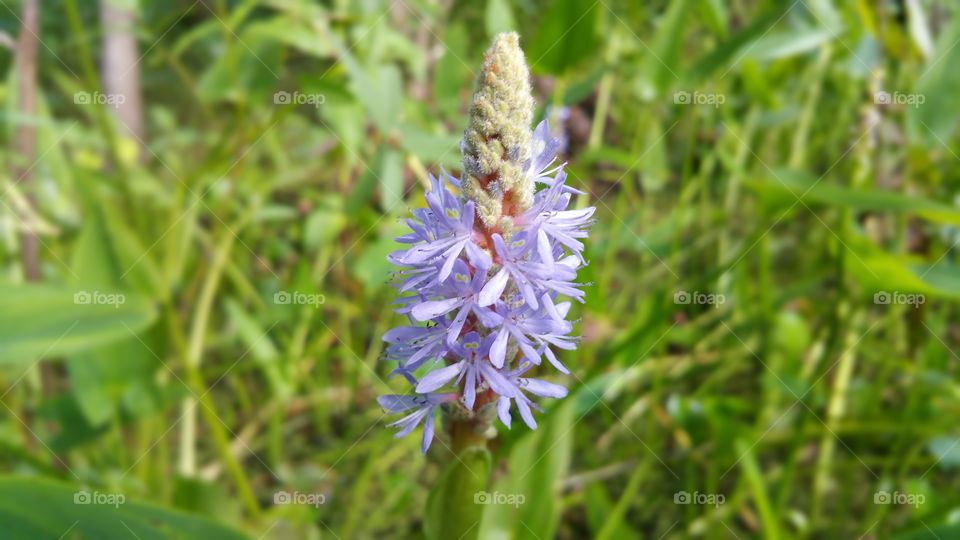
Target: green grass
790 405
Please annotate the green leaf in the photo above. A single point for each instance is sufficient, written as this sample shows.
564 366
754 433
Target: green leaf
880 271
946 451
206 497
600 509
260 346
932 123
432 149
661 63
755 482
537 464
372 267
784 186
453 75
104 259
716 16
50 320
728 52
277 213
566 36
346 120
452 509
792 43
919 30
363 188
378 89
294 33
322 226
499 17
391 181
246 73
38 508
927 531
653 163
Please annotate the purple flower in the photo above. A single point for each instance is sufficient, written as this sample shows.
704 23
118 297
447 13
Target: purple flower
536 387
413 346
544 150
484 301
528 327
549 221
424 406
445 229
462 294
474 370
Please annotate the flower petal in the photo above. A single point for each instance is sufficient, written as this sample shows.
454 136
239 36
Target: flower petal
439 377
544 249
452 255
503 411
493 289
525 413
499 348
480 258
543 388
427 433
396 403
434 308
470 388
500 384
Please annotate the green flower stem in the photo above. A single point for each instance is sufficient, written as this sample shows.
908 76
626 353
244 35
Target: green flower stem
452 508
467 433
200 392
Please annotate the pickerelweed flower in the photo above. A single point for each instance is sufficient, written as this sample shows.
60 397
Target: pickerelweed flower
489 262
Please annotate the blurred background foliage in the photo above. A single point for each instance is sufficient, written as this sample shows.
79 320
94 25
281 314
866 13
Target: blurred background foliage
799 398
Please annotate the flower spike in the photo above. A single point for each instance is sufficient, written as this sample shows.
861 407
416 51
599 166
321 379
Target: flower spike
485 268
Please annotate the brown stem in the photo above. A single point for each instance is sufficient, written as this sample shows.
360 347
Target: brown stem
467 433
26 143
121 74
26 58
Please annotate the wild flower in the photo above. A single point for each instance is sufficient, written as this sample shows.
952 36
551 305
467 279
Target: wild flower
489 261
